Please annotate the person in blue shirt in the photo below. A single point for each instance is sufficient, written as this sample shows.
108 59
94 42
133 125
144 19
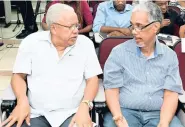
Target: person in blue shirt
141 76
113 17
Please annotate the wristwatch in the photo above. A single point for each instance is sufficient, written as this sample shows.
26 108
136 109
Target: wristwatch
89 103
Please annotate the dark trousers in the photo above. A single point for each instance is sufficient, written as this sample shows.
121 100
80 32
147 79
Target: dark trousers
42 122
27 13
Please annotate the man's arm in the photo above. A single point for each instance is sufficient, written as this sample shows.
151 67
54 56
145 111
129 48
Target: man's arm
168 108
112 99
45 26
109 29
172 87
91 89
22 110
99 20
113 81
85 29
182 31
19 86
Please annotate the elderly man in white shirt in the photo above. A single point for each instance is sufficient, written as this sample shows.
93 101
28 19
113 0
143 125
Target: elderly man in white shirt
61 69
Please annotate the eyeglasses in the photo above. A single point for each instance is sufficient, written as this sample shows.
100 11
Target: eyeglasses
72 27
140 28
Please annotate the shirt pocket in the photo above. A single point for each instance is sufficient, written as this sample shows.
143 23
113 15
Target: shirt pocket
41 65
75 66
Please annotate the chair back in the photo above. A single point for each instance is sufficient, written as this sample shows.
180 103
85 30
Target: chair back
95 9
176 27
107 45
175 9
181 58
129 2
161 41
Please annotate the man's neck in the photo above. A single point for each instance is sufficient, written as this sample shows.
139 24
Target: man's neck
148 49
58 44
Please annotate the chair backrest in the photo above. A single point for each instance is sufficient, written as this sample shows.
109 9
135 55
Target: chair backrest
176 27
107 45
181 58
129 2
161 41
175 9
95 9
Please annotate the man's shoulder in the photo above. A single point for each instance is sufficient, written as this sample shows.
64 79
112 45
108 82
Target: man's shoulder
33 38
125 45
84 41
166 50
104 4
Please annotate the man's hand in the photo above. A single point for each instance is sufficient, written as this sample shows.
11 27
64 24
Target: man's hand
165 22
182 31
20 113
125 31
115 33
121 123
82 117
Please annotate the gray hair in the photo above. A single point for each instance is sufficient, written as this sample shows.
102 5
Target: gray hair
152 9
55 12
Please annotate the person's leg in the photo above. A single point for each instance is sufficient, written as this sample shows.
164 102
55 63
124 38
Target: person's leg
67 122
176 122
36 122
27 13
152 120
131 116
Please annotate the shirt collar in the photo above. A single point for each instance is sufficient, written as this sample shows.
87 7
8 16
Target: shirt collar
111 6
157 51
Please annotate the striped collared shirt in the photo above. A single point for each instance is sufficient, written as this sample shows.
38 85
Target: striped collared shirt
142 80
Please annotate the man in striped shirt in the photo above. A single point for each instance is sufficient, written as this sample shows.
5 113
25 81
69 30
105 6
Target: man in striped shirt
141 76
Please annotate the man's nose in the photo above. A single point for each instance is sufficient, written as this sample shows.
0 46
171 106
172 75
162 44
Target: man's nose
75 31
134 32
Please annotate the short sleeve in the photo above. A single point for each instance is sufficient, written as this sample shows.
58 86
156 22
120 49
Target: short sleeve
172 80
113 71
24 57
92 65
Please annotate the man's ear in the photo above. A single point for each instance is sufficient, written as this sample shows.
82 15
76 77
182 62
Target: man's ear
156 27
53 29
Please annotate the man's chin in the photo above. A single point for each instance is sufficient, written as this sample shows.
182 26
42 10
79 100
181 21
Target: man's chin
72 42
140 44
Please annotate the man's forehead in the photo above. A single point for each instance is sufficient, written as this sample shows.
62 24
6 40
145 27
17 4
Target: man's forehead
139 16
161 1
68 17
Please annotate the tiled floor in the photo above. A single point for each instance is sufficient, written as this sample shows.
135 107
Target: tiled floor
9 50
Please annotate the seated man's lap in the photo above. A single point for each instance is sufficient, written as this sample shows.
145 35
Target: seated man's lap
140 119
130 116
67 122
176 122
154 122
36 122
42 122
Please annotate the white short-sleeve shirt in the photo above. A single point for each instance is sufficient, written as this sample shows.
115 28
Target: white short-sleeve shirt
55 85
